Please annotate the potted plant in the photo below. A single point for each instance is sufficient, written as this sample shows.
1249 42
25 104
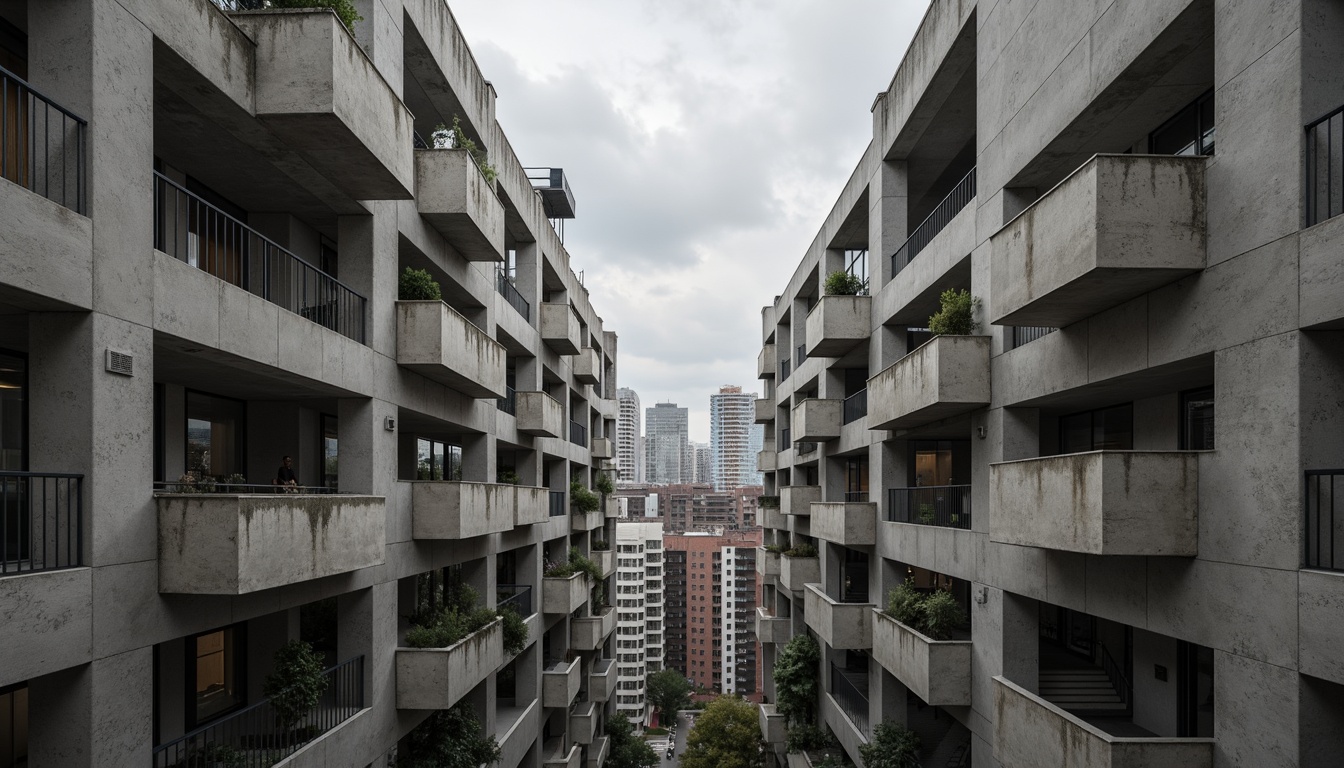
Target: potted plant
581 500
936 615
295 686
418 285
956 316
603 484
454 137
842 283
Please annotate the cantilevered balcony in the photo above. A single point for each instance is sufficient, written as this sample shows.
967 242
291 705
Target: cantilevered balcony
560 683
843 626
583 722
598 752
539 414
456 200
1099 503
765 362
769 515
1118 227
436 341
938 671
590 632
767 563
602 680
765 410
946 376
560 328
798 499
460 510
606 560
563 594
848 523
602 448
438 678
772 725
588 366
771 629
795 572
232 544
817 420
767 460
838 324
554 754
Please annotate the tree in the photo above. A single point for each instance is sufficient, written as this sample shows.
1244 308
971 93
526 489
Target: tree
449 738
726 735
669 691
627 749
893 746
796 671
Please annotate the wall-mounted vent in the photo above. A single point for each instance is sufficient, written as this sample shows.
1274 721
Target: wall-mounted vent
120 362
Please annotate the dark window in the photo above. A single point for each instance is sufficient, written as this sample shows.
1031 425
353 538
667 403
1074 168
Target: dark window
916 337
1105 429
1194 690
13 411
216 674
329 453
1197 420
215 439
939 462
326 257
1190 132
436 460
14 726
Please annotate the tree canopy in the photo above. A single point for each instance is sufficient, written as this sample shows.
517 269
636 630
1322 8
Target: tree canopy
627 749
668 690
727 734
796 671
893 746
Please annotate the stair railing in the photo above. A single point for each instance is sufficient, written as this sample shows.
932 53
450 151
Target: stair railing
1123 688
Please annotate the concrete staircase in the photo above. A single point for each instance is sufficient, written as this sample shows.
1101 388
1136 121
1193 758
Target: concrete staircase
1079 687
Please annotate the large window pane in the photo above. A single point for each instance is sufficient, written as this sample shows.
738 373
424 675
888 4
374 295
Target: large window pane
329 452
217 673
215 440
1197 420
13 388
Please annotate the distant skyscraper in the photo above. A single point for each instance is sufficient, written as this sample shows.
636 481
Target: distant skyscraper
629 438
703 463
732 433
639 617
666 449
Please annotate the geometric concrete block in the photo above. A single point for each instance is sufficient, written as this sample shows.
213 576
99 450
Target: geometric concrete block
771 629
455 199
606 560
40 232
554 754
843 626
539 414
798 499
817 420
938 671
796 572
602 680
772 725
765 362
560 328
767 562
228 544
583 722
590 632
765 410
560 684
434 340
531 505
437 678
588 366
847 523
460 510
946 376
1099 503
598 752
766 460
837 324
1118 227
563 594
602 448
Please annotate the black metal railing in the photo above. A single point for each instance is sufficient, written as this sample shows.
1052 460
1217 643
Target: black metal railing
253 738
960 196
944 506
239 5
856 406
784 439
852 701
805 447
578 433
1025 334
1322 485
510 293
509 402
557 508
211 485
41 143
1325 167
41 521
802 355
519 596
783 370
1116 674
856 496
191 230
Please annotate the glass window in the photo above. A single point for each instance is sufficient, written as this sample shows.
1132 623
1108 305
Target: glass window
14 726
215 439
13 388
1190 132
436 460
1197 420
215 674
329 452
1105 429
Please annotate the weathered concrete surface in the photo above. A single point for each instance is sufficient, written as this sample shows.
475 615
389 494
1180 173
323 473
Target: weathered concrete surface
938 671
798 499
611 507
460 510
220 544
767 562
816 420
563 594
1320 614
598 752
517 737
772 723
1030 732
602 680
1118 227
532 505
602 448
588 633
1099 503
436 341
837 324
437 678
585 521
46 622
562 758
560 328
560 684
765 410
848 523
771 629
771 517
1321 274
766 460
46 253
842 626
606 560
455 199
794 572
946 376
583 722
765 362
318 91
849 736
539 414
588 366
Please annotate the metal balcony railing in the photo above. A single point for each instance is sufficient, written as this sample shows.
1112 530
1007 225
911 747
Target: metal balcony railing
1025 334
783 370
252 738
1325 167
853 702
41 522
784 442
557 508
41 143
239 5
960 196
856 406
944 506
191 230
517 595
578 433
510 293
1322 486
802 355
214 485
509 402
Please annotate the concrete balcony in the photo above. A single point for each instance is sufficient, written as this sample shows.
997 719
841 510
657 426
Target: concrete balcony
843 626
767 562
598 752
773 730
563 594
583 722
39 231
516 730
946 376
554 754
589 633
1118 227
602 680
611 507
461 510
798 499
765 362
1030 731
585 521
771 517
1099 503
766 460
560 328
320 94
437 342
539 414
817 420
560 684
765 410
771 629
588 366
602 448
795 572
838 324
848 523
938 671
532 505
226 544
606 560
437 678
455 199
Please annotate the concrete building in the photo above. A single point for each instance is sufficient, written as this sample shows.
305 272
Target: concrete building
639 619
667 457
710 599
734 438
1137 582
204 217
629 438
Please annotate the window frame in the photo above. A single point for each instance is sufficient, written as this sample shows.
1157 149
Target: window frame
237 635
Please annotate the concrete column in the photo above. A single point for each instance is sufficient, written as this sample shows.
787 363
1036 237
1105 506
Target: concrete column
380 35
478 458
368 449
887 226
1006 635
96 714
368 248
1009 434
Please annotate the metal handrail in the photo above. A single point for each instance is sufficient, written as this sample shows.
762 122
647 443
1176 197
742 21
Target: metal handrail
1325 166
28 130
578 433
783 370
784 442
943 506
802 354
509 402
1025 334
1116 674
856 406
510 293
41 521
943 213
213 486
853 703
1318 500
519 596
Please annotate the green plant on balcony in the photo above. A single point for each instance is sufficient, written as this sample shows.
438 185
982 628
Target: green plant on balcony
926 513
801 550
601 545
797 668
936 614
418 285
454 137
768 502
296 684
345 9
892 746
806 737
956 317
775 549
582 500
506 477
515 630
214 755
449 738
842 283
602 483
445 619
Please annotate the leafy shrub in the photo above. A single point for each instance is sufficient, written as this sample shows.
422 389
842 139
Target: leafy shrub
515 631
582 500
807 737
603 483
801 550
775 549
601 545
507 477
418 285
459 140
842 283
459 615
892 746
936 614
768 502
905 604
797 668
345 9
449 738
957 315
297 683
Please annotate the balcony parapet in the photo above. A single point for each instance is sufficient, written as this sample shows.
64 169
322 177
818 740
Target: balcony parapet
938 671
560 684
798 499
539 414
560 328
847 523
436 341
817 420
946 376
437 678
795 572
456 200
843 626
461 510
837 324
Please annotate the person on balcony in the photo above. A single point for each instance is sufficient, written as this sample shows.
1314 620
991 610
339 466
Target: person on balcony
285 478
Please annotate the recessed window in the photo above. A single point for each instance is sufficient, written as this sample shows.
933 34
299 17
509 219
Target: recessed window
14 726
215 438
1197 420
436 460
1189 132
1105 429
216 674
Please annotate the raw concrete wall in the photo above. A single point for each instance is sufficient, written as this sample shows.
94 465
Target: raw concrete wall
851 524
816 419
840 625
944 377
459 510
939 672
46 253
455 199
438 342
437 678
837 324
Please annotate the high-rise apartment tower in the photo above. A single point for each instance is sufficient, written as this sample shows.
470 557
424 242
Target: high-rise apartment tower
629 438
734 438
666 449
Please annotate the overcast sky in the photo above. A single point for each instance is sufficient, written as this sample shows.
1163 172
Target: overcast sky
705 140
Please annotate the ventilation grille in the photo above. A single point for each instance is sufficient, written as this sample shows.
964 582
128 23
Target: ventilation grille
120 362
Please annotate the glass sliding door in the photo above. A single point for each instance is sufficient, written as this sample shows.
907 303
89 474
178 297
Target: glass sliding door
329 452
215 436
